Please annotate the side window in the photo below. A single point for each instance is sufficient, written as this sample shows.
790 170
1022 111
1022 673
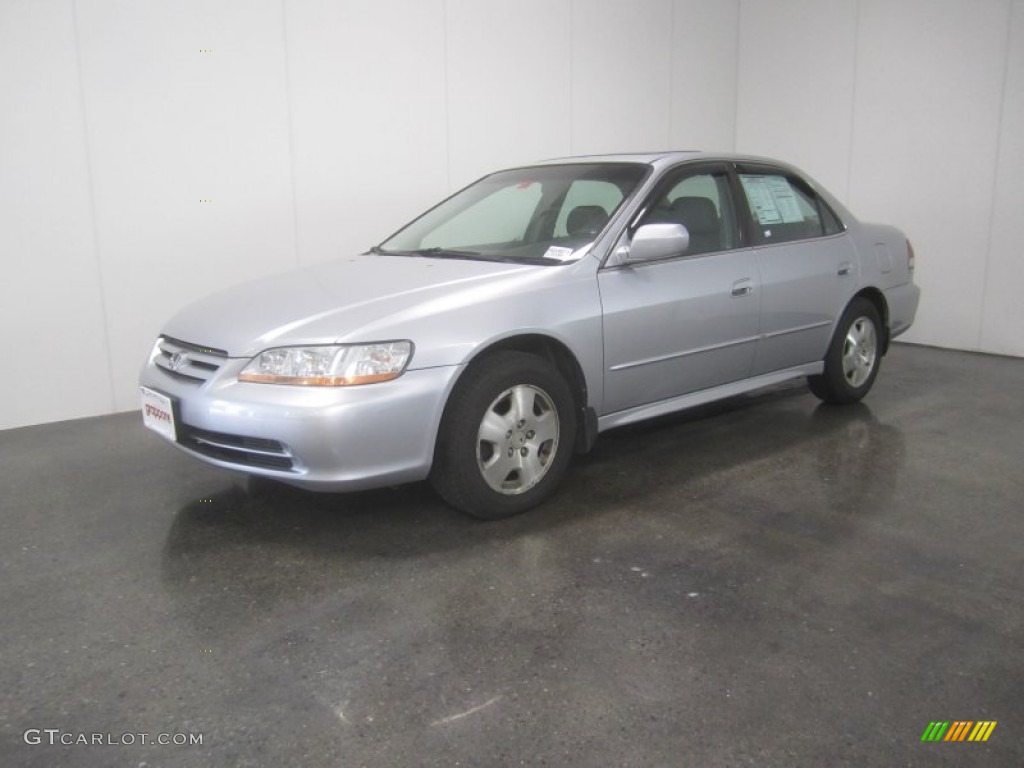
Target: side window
784 209
829 220
501 217
579 216
700 202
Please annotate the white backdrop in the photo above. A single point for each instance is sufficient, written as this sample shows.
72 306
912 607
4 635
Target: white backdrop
152 152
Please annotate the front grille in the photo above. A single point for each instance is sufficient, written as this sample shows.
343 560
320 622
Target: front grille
237 449
184 360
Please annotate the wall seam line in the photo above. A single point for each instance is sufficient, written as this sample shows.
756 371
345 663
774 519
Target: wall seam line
995 171
737 58
572 69
671 74
447 98
100 283
291 132
853 103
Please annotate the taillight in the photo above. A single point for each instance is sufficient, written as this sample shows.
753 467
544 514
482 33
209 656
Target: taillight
910 256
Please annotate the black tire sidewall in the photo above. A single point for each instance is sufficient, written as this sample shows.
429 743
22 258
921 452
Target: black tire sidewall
832 386
456 475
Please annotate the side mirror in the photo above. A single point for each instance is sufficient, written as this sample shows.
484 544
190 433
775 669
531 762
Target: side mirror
657 241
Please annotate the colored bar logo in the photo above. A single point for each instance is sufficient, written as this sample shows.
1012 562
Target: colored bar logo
958 730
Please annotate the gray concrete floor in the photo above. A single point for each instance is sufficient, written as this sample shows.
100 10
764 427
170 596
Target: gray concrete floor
766 582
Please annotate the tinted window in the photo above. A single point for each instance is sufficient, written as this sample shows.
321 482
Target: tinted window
700 202
501 217
590 194
547 214
784 209
829 220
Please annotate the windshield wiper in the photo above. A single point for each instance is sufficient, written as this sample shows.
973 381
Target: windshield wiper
452 253
446 252
427 252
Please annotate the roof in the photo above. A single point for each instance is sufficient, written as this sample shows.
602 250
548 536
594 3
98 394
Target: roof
626 157
670 158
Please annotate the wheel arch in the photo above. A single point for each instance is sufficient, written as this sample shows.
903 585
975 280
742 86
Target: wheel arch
877 298
562 358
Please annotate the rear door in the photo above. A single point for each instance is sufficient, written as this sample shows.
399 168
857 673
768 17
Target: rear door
803 257
690 321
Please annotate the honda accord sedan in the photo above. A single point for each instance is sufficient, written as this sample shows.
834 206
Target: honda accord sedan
490 339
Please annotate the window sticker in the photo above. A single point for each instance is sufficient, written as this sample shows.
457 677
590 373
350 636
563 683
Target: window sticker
772 199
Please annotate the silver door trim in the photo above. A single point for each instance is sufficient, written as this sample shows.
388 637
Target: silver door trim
687 353
641 412
784 331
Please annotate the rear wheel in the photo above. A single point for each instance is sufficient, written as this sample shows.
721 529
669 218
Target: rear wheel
853 357
506 438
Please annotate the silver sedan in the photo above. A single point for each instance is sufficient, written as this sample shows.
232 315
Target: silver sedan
497 334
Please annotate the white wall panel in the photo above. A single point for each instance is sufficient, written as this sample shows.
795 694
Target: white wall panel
169 126
369 118
1003 320
703 74
796 84
51 311
926 122
508 75
621 72
318 126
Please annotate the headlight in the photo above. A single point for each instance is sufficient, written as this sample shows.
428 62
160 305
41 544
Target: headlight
329 366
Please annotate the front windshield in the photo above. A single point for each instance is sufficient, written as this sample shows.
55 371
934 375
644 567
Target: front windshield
545 214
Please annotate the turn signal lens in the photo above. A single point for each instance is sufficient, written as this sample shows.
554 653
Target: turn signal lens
910 256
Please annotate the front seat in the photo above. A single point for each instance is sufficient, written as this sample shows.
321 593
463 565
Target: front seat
700 217
585 221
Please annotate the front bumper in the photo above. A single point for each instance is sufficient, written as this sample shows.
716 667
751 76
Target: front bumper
321 438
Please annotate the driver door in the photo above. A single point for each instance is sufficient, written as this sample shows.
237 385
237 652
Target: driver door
690 321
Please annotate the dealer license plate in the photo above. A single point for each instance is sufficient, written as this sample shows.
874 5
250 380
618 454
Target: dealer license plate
158 413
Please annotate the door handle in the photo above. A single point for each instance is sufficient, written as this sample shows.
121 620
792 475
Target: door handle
743 287
844 269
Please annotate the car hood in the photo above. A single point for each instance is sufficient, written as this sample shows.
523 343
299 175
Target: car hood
353 299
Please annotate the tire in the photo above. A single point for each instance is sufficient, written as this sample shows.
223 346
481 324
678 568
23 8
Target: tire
854 355
506 437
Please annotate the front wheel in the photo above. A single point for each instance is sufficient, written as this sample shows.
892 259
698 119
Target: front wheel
853 357
506 438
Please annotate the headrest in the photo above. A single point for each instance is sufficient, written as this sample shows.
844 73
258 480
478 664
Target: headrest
585 220
698 214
